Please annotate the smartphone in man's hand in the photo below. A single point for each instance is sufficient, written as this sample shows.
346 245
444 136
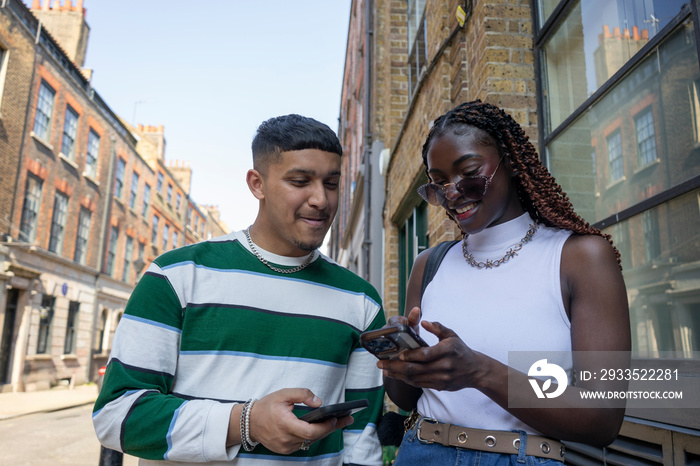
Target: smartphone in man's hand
335 410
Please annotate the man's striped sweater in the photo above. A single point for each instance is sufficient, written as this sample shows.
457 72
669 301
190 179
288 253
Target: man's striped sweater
209 325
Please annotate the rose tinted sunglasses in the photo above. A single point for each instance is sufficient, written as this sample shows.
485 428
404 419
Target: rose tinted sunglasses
471 187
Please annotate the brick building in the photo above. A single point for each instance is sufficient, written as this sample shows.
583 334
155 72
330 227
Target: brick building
80 194
607 91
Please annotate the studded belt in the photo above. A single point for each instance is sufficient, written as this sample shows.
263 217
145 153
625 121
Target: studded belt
494 441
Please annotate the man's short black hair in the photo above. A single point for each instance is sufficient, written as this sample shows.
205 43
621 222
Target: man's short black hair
288 133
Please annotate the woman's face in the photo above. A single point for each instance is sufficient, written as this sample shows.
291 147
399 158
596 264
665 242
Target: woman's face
452 157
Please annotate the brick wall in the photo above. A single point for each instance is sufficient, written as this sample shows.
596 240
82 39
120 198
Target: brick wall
15 43
490 58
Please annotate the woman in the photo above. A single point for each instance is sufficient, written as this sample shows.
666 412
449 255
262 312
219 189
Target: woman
529 275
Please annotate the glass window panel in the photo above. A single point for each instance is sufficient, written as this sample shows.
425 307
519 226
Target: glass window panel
30 209
119 184
81 242
660 249
93 151
663 84
417 31
146 198
646 138
70 132
154 231
58 223
545 9
166 233
134 189
592 43
128 253
71 327
112 251
44 111
615 165
45 320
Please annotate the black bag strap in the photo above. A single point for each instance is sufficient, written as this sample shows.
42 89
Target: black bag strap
433 262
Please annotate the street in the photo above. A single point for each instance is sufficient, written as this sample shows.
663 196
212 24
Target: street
59 437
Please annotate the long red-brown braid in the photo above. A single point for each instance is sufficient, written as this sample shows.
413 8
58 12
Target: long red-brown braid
539 192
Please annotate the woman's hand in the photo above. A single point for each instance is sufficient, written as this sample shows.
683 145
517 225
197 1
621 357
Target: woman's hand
449 365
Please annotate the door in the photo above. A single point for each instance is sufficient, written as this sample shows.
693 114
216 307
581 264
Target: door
8 330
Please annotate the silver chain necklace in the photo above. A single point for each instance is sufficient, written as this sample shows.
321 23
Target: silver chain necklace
276 269
513 251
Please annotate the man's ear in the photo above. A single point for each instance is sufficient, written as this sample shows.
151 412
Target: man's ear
255 183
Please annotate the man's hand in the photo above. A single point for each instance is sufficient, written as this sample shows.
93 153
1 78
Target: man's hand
273 424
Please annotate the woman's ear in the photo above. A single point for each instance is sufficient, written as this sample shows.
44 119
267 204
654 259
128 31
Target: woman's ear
256 184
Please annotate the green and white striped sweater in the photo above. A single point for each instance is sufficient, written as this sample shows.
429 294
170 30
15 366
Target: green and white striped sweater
209 325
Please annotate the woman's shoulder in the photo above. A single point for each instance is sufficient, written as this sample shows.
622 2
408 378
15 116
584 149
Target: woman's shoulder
588 251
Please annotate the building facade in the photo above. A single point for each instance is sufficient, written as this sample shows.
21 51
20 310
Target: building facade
607 92
87 201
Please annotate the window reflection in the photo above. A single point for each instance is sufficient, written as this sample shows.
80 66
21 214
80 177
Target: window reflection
641 134
594 41
660 249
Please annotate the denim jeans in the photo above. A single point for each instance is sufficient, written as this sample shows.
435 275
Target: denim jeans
414 451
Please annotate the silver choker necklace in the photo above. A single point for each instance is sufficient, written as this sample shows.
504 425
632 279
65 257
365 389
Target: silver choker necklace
513 251
276 269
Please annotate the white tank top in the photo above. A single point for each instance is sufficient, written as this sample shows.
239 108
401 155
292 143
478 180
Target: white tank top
517 306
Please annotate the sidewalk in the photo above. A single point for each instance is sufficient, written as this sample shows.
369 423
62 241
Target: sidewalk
22 403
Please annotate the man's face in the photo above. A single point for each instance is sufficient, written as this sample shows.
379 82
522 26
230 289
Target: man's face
299 201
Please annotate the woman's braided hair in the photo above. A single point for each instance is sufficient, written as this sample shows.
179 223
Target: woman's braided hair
537 189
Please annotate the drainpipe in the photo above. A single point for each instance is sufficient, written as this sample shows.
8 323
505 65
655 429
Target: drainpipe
367 243
106 214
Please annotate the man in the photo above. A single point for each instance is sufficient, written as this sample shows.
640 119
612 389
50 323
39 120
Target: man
225 342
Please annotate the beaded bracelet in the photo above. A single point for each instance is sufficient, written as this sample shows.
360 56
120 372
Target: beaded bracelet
246 442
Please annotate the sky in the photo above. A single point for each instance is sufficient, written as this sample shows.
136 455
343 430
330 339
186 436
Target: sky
210 71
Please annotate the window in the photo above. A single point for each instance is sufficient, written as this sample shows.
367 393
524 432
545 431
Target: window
568 153
71 328
128 252
188 215
101 332
178 201
154 231
44 112
159 183
81 242
639 112
591 43
134 189
4 57
30 209
413 239
112 251
146 198
169 197
140 260
93 151
166 233
615 164
174 239
70 132
646 138
45 320
119 183
58 222
417 58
